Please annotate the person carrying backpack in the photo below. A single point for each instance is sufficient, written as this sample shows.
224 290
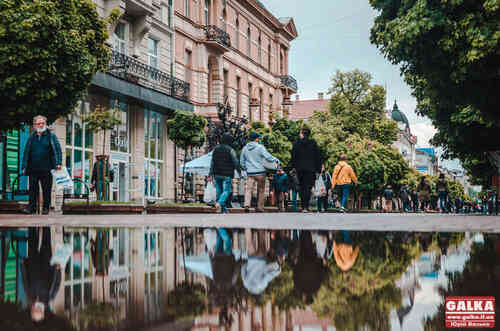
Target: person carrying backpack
404 194
322 201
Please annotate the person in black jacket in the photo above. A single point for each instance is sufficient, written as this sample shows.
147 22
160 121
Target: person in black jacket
41 281
224 163
306 160
41 154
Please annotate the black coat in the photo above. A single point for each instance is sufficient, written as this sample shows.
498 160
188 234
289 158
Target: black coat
224 161
306 155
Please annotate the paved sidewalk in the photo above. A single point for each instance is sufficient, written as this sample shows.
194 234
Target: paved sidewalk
375 222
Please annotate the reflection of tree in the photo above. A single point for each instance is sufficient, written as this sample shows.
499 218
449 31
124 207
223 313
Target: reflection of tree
365 295
186 300
480 277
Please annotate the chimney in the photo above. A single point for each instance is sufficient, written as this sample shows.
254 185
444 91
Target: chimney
320 95
297 97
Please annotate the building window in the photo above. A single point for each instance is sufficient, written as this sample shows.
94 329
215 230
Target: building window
166 13
187 66
187 9
281 64
153 153
238 96
79 147
210 80
120 38
237 35
249 40
226 84
224 20
153 274
120 133
269 56
153 52
259 52
250 114
207 12
261 108
78 274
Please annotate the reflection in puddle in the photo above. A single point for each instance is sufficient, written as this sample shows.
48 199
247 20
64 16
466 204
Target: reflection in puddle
238 279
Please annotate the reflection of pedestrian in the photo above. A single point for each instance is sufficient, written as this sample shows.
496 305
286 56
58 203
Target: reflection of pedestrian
343 176
252 161
224 163
41 281
306 160
41 154
343 251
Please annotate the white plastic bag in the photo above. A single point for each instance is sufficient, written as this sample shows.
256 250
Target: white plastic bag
61 255
62 178
210 194
210 236
319 188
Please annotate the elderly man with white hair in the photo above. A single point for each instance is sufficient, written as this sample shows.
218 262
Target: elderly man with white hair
42 154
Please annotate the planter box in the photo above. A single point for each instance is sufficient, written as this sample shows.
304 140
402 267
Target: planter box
104 208
12 207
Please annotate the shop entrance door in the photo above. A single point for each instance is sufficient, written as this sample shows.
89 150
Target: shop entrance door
119 187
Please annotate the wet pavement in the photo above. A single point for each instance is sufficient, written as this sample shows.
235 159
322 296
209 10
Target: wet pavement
311 221
240 278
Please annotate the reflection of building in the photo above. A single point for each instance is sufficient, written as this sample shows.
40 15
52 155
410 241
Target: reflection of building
11 152
426 161
13 248
405 144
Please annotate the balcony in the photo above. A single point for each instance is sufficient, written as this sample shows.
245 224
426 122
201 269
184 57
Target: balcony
289 82
217 38
134 71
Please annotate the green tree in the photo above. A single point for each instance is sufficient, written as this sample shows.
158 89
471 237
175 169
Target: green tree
49 52
290 129
187 131
102 119
455 85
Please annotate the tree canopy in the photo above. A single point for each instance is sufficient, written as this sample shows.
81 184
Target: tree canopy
187 130
456 83
49 52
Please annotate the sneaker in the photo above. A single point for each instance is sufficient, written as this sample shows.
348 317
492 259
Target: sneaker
305 210
247 209
27 211
342 209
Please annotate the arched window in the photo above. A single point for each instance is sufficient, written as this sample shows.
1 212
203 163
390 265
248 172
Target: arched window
249 40
259 51
206 11
237 35
269 56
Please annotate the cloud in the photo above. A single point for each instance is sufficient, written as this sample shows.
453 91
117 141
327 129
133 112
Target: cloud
424 132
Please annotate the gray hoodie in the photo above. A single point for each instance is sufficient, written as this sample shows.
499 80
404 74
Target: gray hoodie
253 157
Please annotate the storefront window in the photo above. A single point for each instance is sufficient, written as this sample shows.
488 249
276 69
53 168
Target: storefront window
120 133
79 143
153 162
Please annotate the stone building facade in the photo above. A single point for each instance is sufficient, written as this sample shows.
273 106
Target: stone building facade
406 142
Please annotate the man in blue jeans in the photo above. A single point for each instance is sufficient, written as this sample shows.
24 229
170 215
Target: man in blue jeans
224 163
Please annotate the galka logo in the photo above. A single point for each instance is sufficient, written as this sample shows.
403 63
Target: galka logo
470 312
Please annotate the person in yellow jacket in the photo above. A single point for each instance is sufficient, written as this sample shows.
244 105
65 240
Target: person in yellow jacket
343 176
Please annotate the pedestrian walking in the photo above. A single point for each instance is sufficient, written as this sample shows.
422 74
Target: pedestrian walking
41 281
224 163
322 201
41 154
388 195
281 187
404 194
252 161
414 199
442 190
424 193
306 160
343 177
295 187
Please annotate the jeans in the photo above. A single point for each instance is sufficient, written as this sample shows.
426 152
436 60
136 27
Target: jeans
306 179
46 179
406 206
224 242
224 187
323 202
345 189
442 201
294 200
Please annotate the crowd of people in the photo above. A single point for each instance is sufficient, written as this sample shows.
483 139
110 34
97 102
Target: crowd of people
308 180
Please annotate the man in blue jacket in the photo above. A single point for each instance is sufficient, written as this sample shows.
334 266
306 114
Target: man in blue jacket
252 161
41 155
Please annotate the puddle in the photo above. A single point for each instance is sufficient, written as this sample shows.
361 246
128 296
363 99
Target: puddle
238 279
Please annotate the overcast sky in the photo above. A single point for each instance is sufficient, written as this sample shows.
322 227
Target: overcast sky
336 35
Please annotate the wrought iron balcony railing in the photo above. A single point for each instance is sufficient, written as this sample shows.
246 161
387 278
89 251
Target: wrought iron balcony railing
218 35
133 70
289 82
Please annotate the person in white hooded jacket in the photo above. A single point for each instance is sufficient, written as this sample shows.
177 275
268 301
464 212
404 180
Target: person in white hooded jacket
252 161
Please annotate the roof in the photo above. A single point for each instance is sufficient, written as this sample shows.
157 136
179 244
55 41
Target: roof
303 109
399 116
427 150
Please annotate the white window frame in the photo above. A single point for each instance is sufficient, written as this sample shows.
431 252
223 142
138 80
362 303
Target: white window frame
123 44
187 9
152 55
206 11
153 271
166 14
148 160
123 279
